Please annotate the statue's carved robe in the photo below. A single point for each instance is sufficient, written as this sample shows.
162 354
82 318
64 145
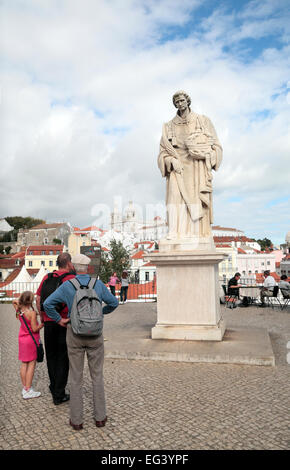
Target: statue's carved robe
189 194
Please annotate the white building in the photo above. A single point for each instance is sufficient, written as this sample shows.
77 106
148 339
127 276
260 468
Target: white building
132 221
219 231
249 261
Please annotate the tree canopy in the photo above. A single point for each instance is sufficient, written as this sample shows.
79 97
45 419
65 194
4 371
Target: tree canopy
265 244
116 260
18 222
23 222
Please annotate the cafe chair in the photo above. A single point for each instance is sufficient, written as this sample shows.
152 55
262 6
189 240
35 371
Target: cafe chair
230 298
285 301
273 299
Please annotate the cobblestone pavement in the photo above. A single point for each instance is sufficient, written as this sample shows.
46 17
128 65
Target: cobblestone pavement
155 405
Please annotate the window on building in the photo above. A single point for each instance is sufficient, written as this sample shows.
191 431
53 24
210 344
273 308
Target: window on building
31 252
262 263
42 263
58 252
37 234
46 241
51 252
146 276
30 264
51 263
17 262
268 263
43 252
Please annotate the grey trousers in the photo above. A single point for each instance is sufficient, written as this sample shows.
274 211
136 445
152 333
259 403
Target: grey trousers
93 346
265 293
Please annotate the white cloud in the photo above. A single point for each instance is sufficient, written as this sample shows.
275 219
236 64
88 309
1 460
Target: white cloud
87 85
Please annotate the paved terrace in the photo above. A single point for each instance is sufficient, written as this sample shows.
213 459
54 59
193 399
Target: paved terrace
155 404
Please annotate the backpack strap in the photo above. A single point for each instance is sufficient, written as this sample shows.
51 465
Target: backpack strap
92 283
75 282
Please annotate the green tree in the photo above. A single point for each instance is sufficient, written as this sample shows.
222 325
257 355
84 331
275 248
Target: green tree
56 241
116 260
8 249
105 267
265 244
120 258
7 237
20 222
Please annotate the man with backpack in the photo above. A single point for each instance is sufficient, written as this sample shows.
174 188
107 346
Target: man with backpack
54 335
83 297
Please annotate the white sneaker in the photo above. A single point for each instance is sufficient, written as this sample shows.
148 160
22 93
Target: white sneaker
30 394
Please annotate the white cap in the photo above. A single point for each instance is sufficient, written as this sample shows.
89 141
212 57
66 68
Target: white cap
81 259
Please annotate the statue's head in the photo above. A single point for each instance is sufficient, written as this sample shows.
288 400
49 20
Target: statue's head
181 93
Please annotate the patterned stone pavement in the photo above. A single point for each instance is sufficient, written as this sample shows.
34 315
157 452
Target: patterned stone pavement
156 405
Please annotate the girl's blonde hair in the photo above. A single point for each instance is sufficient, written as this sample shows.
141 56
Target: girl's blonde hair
25 300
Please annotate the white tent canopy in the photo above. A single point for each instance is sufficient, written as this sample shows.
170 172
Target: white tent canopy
40 275
23 276
21 283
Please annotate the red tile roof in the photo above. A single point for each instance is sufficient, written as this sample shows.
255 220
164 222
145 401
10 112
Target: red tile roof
260 278
139 255
231 238
11 277
218 227
93 228
44 226
21 254
222 245
44 248
144 243
7 263
32 271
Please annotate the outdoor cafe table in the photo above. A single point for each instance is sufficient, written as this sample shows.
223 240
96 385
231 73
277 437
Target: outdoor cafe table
250 291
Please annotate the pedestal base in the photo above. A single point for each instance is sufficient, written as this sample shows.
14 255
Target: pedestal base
188 305
186 244
189 332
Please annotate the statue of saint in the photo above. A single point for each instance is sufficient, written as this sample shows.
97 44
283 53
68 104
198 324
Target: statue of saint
189 150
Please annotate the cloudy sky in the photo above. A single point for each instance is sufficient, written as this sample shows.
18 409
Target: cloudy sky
87 84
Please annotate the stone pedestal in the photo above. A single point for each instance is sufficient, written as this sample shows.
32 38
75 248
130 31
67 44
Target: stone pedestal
188 305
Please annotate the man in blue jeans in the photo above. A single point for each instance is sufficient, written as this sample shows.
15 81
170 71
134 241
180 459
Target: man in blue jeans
78 345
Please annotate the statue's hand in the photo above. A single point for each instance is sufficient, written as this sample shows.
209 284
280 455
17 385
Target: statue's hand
176 166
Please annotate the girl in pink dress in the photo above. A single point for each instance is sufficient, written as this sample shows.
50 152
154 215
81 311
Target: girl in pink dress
112 283
27 347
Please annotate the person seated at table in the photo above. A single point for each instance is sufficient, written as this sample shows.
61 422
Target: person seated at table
284 284
268 287
233 286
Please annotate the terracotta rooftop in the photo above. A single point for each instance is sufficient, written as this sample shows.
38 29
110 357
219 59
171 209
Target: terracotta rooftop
37 249
11 277
218 227
7 263
138 255
43 226
231 238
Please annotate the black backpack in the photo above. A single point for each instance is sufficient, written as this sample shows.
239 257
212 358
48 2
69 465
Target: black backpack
51 283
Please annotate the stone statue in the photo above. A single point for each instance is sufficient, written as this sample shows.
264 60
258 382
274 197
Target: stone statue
189 150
